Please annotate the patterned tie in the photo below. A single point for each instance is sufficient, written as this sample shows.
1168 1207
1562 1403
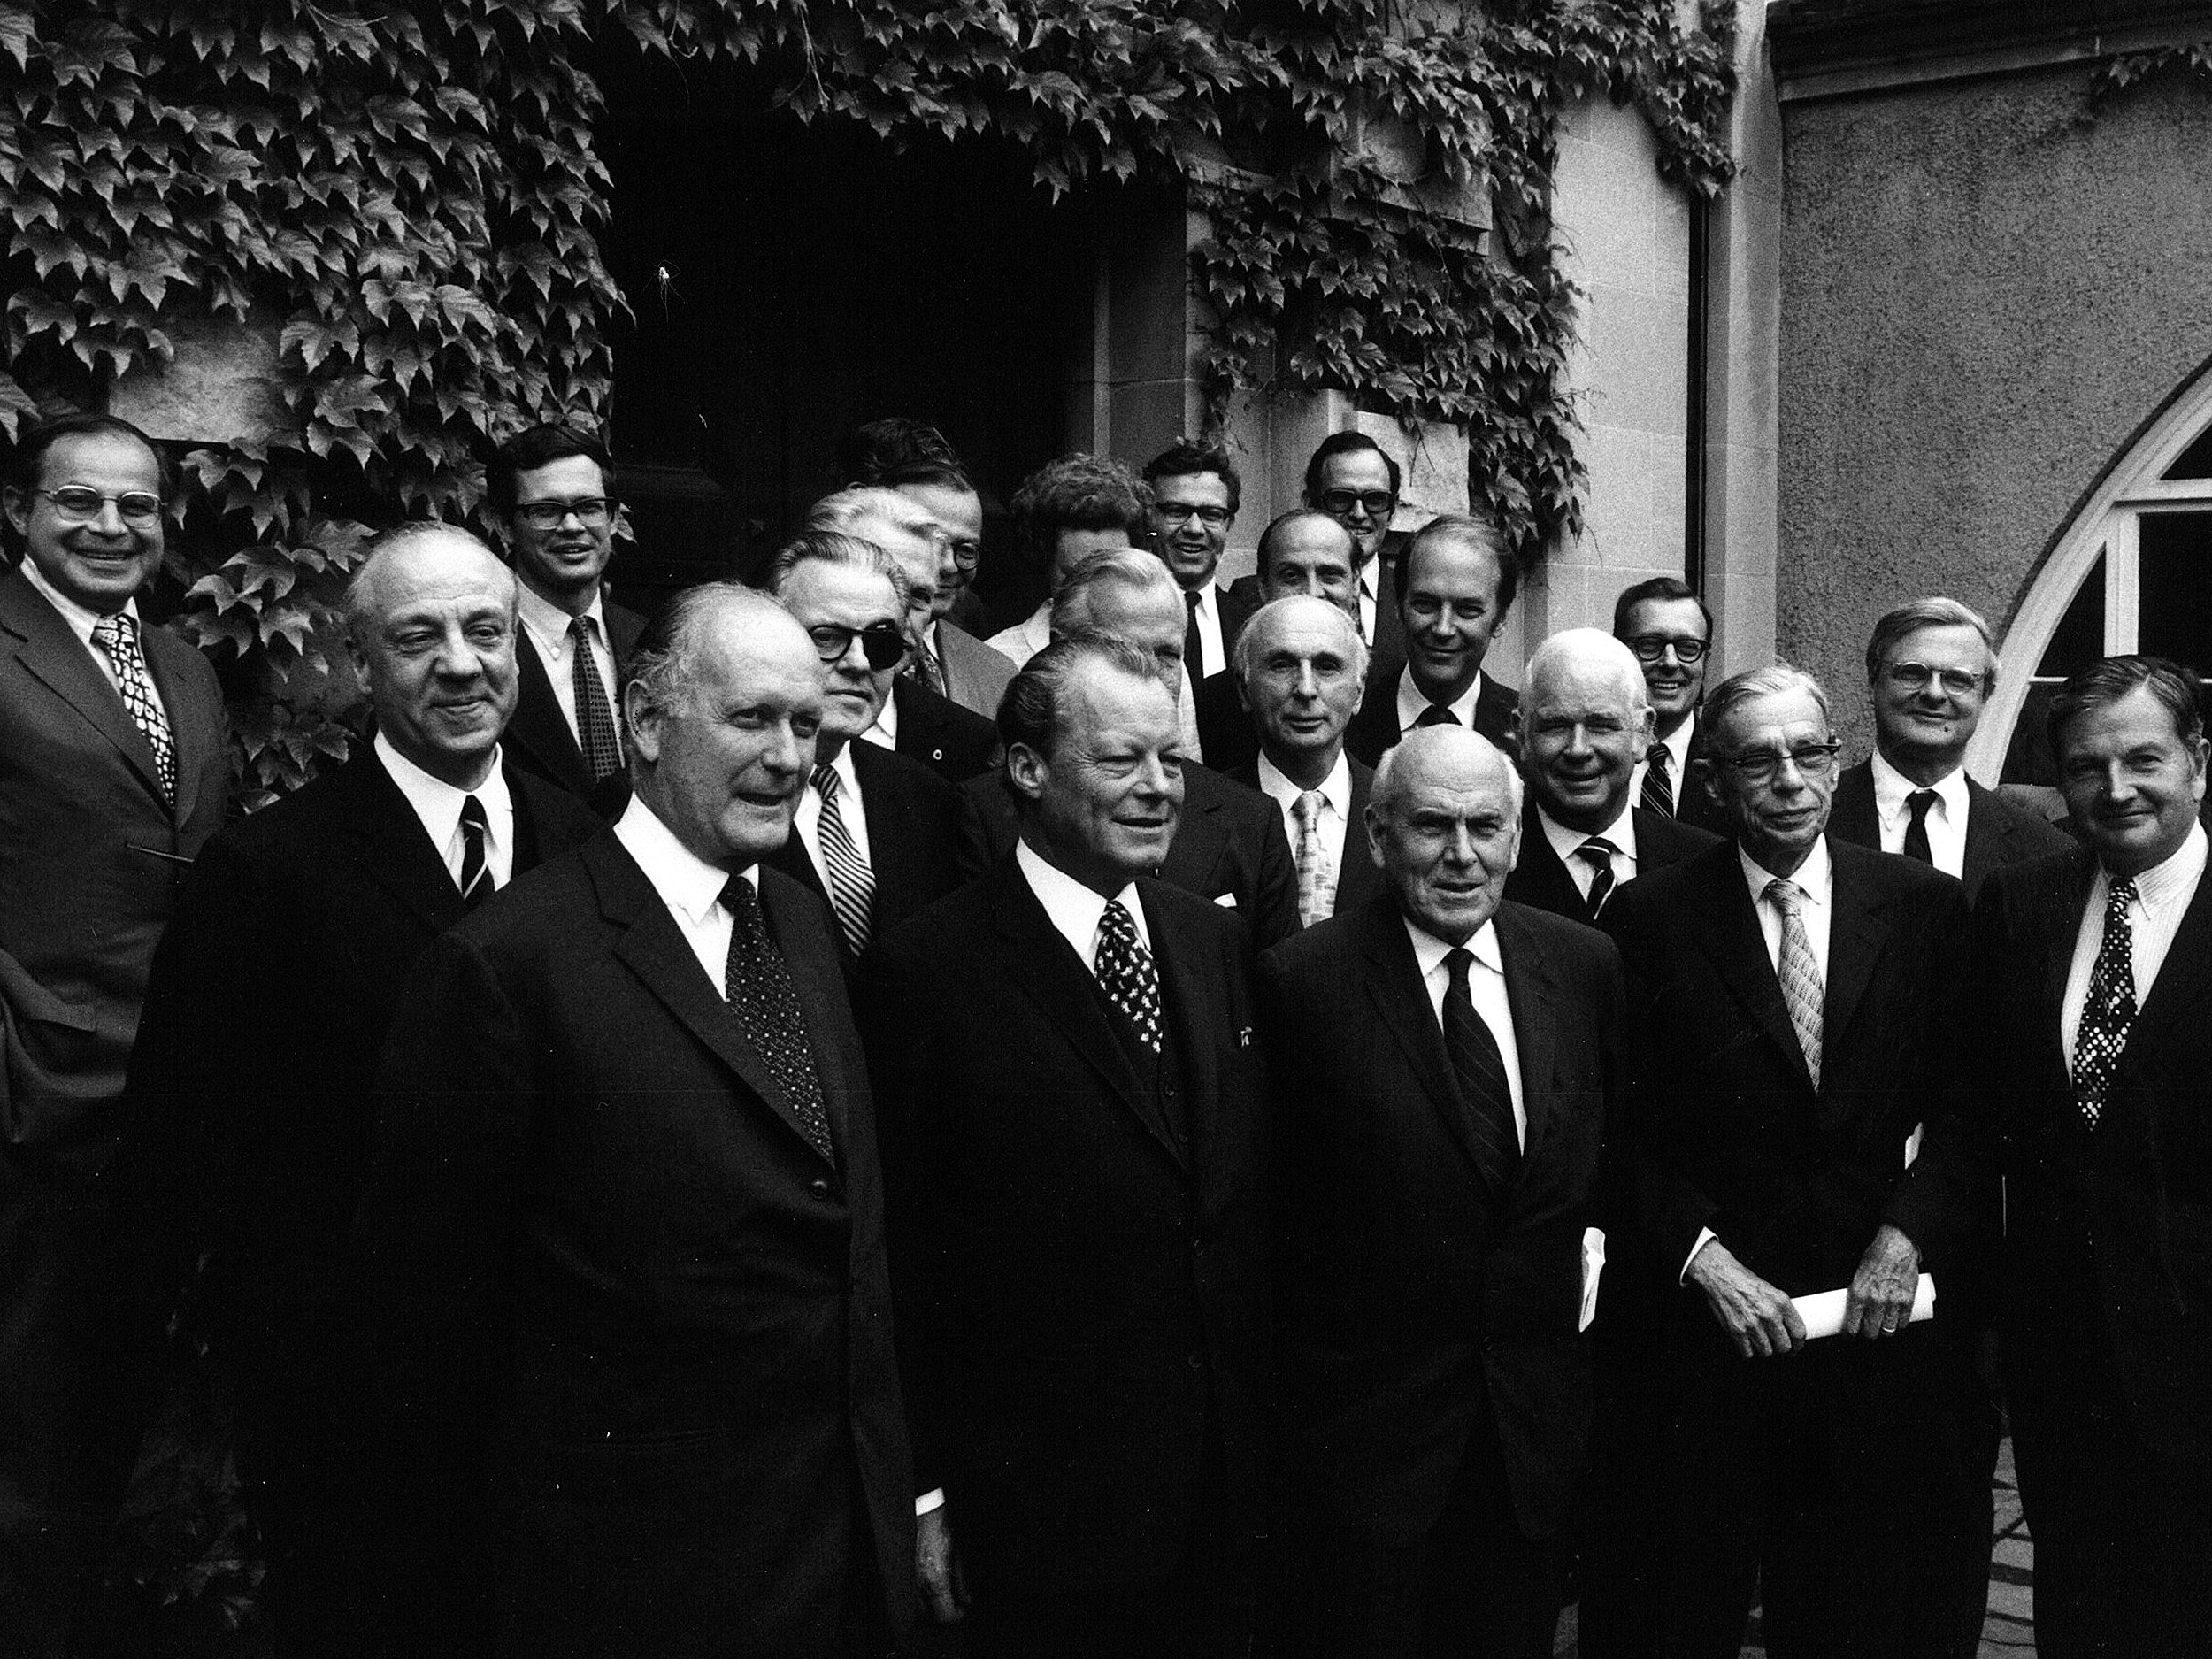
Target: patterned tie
1658 795
1481 1070
118 637
1799 974
757 982
475 880
852 884
1916 831
1317 876
1124 968
1436 714
931 668
2109 1009
594 719
1598 853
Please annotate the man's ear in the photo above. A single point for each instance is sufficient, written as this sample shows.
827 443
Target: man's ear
16 504
1027 769
644 723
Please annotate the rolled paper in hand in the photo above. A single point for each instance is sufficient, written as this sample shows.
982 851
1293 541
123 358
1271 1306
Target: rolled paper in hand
1822 1312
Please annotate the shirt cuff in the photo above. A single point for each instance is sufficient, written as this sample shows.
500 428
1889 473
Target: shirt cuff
933 1499
1705 1236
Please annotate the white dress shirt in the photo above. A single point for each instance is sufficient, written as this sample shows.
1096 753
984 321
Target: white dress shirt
1363 582
1945 822
1486 989
438 804
1678 742
1334 824
1028 637
2163 895
1075 910
851 812
1412 704
883 731
547 625
1213 651
688 886
1566 842
82 621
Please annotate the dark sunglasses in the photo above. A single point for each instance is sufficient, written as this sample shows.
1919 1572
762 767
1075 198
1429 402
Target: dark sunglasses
883 643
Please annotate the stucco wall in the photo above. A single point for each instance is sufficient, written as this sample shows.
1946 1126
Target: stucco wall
1983 298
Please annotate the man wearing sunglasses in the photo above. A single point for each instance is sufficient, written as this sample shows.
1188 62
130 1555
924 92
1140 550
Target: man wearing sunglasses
549 493
1355 481
1930 667
1668 626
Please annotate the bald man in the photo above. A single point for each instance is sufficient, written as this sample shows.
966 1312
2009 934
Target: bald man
269 1002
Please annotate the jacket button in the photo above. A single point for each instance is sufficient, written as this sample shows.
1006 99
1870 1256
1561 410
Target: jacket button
1197 1361
820 1188
937 754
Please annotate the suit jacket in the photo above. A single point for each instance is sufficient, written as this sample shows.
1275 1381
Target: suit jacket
1693 805
1997 832
1357 877
1235 610
538 739
1542 880
1082 1297
976 674
955 743
913 840
1225 737
2117 1221
1411 1292
1374 729
594 1237
1229 846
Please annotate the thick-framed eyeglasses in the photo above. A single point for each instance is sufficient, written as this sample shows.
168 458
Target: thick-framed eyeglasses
967 554
1917 676
883 643
1812 760
1376 504
1174 513
1649 647
73 504
591 511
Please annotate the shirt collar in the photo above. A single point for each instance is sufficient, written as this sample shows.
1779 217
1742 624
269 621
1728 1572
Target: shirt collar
81 620
1206 606
1816 878
847 774
1621 832
1428 951
1678 742
437 803
1075 909
1411 703
887 720
1892 788
2174 879
687 884
547 623
1336 788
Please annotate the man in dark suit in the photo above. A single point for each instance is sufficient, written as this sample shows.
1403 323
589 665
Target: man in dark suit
1455 583
1195 491
1355 481
113 771
549 489
1072 1119
621 1247
268 1004
1930 667
1228 844
1793 1013
1668 626
1300 668
1582 721
2090 1048
1302 552
1445 1064
877 835
955 742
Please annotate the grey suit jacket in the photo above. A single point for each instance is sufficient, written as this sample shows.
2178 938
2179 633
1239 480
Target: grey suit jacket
975 675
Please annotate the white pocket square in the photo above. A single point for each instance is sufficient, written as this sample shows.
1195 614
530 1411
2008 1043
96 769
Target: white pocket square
1228 901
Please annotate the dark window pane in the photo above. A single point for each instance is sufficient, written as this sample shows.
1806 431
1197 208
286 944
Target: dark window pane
2028 756
2196 460
2175 620
2080 640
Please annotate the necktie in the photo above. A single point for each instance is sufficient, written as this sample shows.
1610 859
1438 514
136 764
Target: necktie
1194 648
1436 714
118 637
475 878
1799 974
1317 876
758 985
932 670
1480 1068
2109 1009
1125 969
1916 831
852 884
1658 795
594 719
1597 852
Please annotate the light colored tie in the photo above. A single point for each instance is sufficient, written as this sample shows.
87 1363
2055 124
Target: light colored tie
118 637
1799 974
852 884
2109 1013
1317 876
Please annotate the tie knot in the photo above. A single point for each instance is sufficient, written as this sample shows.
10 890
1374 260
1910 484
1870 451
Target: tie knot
1191 597
1657 756
119 629
1437 714
579 630
1599 851
472 813
1784 895
1307 807
2122 895
740 900
826 781
1458 960
1115 923
1919 801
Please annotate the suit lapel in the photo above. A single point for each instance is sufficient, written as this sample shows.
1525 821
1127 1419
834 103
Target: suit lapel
1860 924
1357 879
396 849
2185 978
813 960
1196 850
537 725
1730 936
1543 878
1401 1000
1532 994
58 660
1852 818
1199 1022
195 738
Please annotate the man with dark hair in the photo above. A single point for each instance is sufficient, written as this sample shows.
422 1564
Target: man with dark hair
1072 1117
1455 586
2089 1046
1355 481
1930 667
1664 622
1195 492
1065 511
550 491
621 1255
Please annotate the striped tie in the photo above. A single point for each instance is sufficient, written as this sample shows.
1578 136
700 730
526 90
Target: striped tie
1598 853
852 884
1799 974
1479 1066
1658 795
475 878
118 637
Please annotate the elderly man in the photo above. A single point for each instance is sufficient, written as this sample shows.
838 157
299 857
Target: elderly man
113 772
1445 1061
877 835
1195 490
1229 845
1065 511
1930 667
1668 626
1301 552
1793 1022
1072 1119
1582 723
622 1256
311 914
2089 1047
1455 583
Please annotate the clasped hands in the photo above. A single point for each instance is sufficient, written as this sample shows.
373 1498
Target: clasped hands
1763 1322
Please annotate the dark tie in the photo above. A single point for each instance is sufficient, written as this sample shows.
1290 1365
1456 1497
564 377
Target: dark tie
476 875
931 667
2109 1008
1480 1068
118 637
1597 852
1799 974
1125 969
1916 831
1436 714
852 884
1194 649
594 719
758 985
1658 795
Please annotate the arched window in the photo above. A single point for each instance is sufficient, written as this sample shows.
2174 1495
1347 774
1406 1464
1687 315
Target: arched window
2133 572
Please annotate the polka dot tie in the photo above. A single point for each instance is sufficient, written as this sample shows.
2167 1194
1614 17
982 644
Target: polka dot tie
1799 974
757 982
2109 1011
118 637
595 718
1125 969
